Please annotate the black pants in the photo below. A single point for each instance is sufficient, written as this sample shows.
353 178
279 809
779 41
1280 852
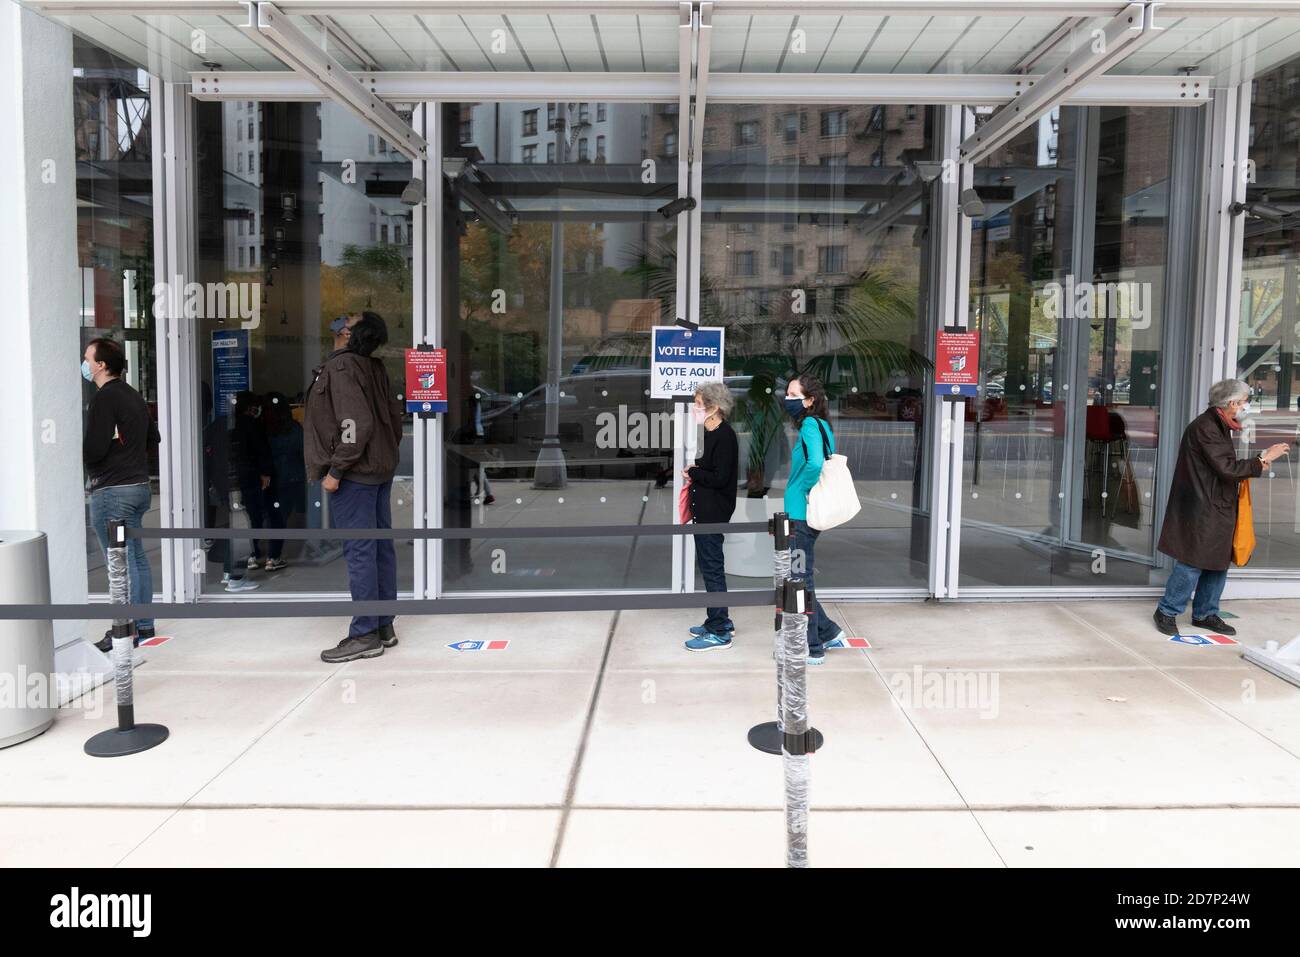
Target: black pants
262 513
713 569
820 627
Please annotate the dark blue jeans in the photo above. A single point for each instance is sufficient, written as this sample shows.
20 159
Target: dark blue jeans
1182 581
372 565
126 503
708 556
820 627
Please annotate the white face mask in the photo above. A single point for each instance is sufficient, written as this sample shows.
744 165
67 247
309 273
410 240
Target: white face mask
1245 409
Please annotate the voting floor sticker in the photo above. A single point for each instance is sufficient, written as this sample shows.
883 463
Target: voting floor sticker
849 643
496 645
1203 641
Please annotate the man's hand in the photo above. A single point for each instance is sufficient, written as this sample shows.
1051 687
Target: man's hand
1276 451
266 482
329 483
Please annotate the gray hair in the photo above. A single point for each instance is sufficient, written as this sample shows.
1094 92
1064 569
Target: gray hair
717 396
1227 390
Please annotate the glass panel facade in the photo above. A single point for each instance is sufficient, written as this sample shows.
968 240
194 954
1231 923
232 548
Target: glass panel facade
299 222
554 273
814 251
1270 311
1067 290
114 152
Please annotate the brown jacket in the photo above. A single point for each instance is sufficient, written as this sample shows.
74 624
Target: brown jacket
1202 509
352 423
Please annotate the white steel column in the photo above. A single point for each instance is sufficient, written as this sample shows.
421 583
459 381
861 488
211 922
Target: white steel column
1218 299
683 552
179 456
427 323
951 293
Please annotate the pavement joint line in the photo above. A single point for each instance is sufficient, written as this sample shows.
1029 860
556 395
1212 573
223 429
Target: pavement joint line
898 707
226 767
583 739
1174 679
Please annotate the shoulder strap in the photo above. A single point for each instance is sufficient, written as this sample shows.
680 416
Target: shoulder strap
826 450
826 453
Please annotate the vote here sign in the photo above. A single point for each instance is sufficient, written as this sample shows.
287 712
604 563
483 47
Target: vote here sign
683 359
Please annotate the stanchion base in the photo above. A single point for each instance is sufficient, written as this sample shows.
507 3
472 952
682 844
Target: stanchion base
116 744
767 738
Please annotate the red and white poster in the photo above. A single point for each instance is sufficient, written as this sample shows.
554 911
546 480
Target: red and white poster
426 381
956 363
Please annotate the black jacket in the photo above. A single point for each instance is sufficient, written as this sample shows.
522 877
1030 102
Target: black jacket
1202 510
250 450
713 476
119 434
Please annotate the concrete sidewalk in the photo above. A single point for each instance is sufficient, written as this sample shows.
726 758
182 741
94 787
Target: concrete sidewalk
971 734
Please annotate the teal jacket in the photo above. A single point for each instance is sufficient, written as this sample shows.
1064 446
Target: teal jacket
804 474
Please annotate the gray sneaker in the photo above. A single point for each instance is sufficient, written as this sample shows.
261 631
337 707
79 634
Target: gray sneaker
350 649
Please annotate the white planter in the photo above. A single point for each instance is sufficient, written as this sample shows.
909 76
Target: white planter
750 556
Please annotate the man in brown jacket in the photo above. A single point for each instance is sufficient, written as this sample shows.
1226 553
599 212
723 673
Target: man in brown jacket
1202 511
352 429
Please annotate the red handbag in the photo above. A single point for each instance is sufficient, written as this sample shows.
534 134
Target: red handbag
684 503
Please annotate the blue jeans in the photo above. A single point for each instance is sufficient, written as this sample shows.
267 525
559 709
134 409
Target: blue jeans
820 627
713 569
1182 580
126 503
372 565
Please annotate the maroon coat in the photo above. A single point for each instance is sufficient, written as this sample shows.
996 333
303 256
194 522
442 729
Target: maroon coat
1202 510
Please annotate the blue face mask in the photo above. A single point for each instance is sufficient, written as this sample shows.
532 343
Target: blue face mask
794 407
85 371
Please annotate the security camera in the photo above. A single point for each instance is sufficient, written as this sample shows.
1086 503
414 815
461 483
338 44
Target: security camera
413 194
970 204
1274 214
681 204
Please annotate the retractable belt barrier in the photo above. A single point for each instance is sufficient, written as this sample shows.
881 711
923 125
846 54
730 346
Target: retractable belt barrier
790 735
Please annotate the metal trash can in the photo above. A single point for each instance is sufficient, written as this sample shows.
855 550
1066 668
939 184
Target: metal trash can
28 697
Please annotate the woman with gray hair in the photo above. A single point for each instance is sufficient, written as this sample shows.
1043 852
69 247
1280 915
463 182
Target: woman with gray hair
1202 511
712 495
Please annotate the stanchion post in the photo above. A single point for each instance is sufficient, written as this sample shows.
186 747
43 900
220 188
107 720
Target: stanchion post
766 737
128 737
797 741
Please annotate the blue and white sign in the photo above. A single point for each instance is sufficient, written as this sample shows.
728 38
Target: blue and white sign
232 368
681 360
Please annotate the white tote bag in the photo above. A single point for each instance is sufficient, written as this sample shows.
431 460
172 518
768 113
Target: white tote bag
834 499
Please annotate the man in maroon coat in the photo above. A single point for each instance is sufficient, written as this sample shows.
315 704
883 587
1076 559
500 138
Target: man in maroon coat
1202 510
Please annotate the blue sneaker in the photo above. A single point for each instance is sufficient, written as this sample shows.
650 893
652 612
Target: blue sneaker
708 641
817 659
836 642
699 631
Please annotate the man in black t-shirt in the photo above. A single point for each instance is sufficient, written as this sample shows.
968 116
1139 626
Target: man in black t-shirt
120 432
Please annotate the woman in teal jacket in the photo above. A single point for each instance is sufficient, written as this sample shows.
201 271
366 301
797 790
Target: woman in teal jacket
805 401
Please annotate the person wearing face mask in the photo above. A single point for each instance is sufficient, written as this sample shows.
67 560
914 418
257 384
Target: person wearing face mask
712 496
805 402
120 432
1201 514
251 451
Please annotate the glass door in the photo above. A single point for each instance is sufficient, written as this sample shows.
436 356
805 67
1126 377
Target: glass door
1067 290
556 264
